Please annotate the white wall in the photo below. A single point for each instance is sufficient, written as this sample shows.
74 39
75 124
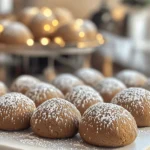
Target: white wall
80 8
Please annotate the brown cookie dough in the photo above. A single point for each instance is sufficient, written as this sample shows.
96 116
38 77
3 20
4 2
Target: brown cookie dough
132 78
137 102
65 82
16 33
27 14
90 29
42 25
55 118
63 15
3 88
77 31
42 92
83 97
15 111
107 125
109 87
89 76
23 83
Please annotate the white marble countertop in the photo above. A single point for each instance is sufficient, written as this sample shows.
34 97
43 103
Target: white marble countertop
26 140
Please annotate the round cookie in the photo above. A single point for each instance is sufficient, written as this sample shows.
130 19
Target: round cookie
23 83
56 118
89 76
137 102
27 14
107 125
16 33
132 78
83 97
63 15
42 26
15 111
3 88
109 87
147 85
42 92
75 32
5 22
90 29
65 82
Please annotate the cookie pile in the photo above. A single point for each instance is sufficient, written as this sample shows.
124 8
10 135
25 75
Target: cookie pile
104 111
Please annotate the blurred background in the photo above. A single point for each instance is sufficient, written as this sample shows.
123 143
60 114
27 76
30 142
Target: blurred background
123 24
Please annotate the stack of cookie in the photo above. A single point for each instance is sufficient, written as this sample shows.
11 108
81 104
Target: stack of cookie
45 25
104 111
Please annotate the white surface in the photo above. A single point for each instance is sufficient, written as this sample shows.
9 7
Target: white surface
26 140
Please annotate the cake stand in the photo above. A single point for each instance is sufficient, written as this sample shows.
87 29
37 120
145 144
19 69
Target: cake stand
38 50
52 52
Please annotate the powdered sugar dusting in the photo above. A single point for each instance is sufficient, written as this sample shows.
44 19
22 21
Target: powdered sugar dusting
104 115
27 137
89 75
23 83
133 99
58 110
131 78
13 103
109 85
66 82
43 91
82 95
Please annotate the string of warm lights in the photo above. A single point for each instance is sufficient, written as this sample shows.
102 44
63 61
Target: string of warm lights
59 41
46 11
30 42
44 41
1 28
100 38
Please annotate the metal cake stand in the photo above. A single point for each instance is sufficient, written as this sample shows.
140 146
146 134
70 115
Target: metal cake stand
38 50
82 50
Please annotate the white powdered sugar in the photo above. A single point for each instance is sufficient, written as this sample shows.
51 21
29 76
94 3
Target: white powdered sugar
106 116
14 99
28 138
43 91
66 82
133 99
12 104
89 76
58 110
131 78
24 82
82 95
109 85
